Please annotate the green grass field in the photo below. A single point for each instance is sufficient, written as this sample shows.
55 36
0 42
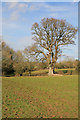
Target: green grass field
40 97
44 72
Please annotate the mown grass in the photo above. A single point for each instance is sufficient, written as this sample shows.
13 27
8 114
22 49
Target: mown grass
40 97
44 72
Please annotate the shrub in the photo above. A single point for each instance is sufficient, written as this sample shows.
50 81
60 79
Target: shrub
25 74
40 73
65 71
71 72
60 72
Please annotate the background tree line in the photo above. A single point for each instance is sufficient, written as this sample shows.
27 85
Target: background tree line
16 63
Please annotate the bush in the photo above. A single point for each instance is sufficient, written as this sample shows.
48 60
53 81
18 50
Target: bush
25 74
60 72
40 73
69 72
64 71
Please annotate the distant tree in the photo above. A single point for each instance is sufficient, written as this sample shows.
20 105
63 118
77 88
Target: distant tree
29 60
77 65
59 65
7 60
0 55
42 65
19 64
50 36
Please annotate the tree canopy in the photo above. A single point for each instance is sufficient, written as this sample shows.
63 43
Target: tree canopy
7 59
49 36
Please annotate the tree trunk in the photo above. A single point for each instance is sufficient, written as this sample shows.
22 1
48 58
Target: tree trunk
21 74
51 68
29 73
51 71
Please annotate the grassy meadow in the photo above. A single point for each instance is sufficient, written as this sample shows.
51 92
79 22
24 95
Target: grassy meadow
40 97
44 72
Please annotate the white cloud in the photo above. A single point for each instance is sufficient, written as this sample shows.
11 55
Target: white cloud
34 7
22 5
75 0
55 8
12 5
47 7
18 8
16 5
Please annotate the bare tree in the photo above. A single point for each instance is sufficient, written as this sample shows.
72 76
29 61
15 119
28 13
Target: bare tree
49 36
29 59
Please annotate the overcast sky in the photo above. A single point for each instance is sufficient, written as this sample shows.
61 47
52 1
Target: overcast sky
18 17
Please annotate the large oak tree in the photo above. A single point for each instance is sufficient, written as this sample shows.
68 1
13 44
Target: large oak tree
49 36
